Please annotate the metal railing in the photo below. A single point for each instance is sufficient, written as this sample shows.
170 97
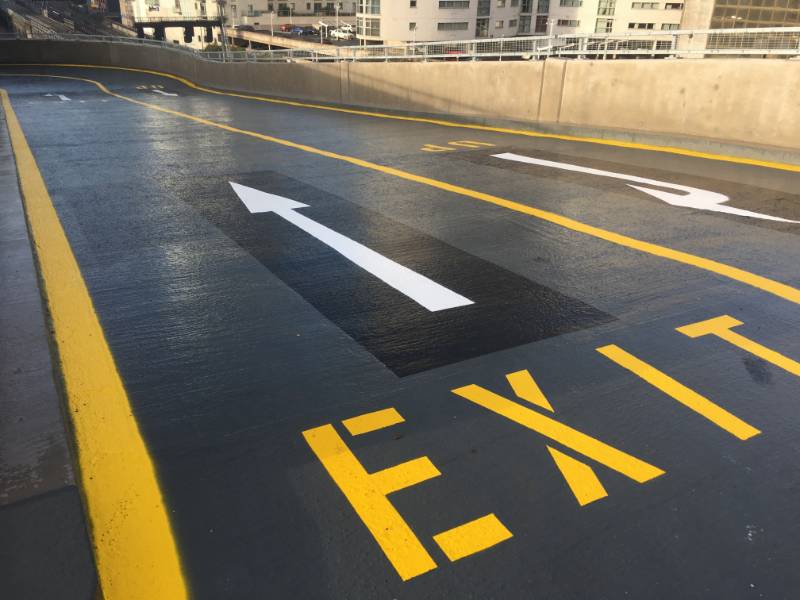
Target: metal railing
764 42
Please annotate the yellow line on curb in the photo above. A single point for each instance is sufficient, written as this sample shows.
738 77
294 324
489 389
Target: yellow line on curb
771 286
521 132
133 544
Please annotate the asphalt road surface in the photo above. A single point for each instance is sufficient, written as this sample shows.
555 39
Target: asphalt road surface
405 359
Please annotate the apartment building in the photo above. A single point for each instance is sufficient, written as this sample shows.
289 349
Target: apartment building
734 14
397 21
243 11
144 11
607 16
259 13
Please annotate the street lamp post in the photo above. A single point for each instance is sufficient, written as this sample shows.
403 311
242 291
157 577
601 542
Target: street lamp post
221 11
551 24
338 4
271 28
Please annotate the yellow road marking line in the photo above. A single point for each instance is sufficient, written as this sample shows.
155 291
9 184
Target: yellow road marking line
472 537
580 478
721 327
468 144
133 543
399 477
676 390
474 143
367 495
435 148
372 421
622 462
781 290
526 388
521 132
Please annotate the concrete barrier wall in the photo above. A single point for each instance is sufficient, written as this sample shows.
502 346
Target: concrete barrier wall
748 101
743 100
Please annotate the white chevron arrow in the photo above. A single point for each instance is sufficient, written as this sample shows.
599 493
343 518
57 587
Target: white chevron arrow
419 288
690 197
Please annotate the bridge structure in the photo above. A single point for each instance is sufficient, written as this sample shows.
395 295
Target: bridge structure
264 39
188 24
342 327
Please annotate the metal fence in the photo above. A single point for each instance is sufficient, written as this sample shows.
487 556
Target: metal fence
764 42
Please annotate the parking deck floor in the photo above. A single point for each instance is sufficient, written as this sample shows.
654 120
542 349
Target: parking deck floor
313 353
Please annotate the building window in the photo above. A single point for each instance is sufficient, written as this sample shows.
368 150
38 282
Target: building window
369 7
673 6
412 3
512 23
541 24
452 26
604 25
453 3
482 28
670 26
412 26
501 3
498 24
368 27
606 7
571 3
484 6
645 5
641 25
568 23
514 3
525 24
526 6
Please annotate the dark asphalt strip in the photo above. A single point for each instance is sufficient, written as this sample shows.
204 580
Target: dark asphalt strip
508 310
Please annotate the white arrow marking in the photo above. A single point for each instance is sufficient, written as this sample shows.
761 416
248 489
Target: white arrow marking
60 97
163 93
422 290
690 198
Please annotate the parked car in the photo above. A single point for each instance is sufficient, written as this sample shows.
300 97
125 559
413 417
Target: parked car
287 27
346 27
339 34
309 30
245 28
297 30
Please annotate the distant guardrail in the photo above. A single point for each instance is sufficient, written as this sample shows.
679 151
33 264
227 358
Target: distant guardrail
754 42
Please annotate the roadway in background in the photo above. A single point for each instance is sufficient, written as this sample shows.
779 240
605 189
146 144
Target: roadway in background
663 465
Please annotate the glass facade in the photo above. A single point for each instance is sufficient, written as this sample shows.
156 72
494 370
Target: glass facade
606 7
369 27
755 13
604 25
369 7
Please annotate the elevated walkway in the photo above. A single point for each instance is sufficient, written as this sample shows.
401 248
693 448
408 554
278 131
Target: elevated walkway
279 41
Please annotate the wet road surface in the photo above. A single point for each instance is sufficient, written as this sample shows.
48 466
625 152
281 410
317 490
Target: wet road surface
555 437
